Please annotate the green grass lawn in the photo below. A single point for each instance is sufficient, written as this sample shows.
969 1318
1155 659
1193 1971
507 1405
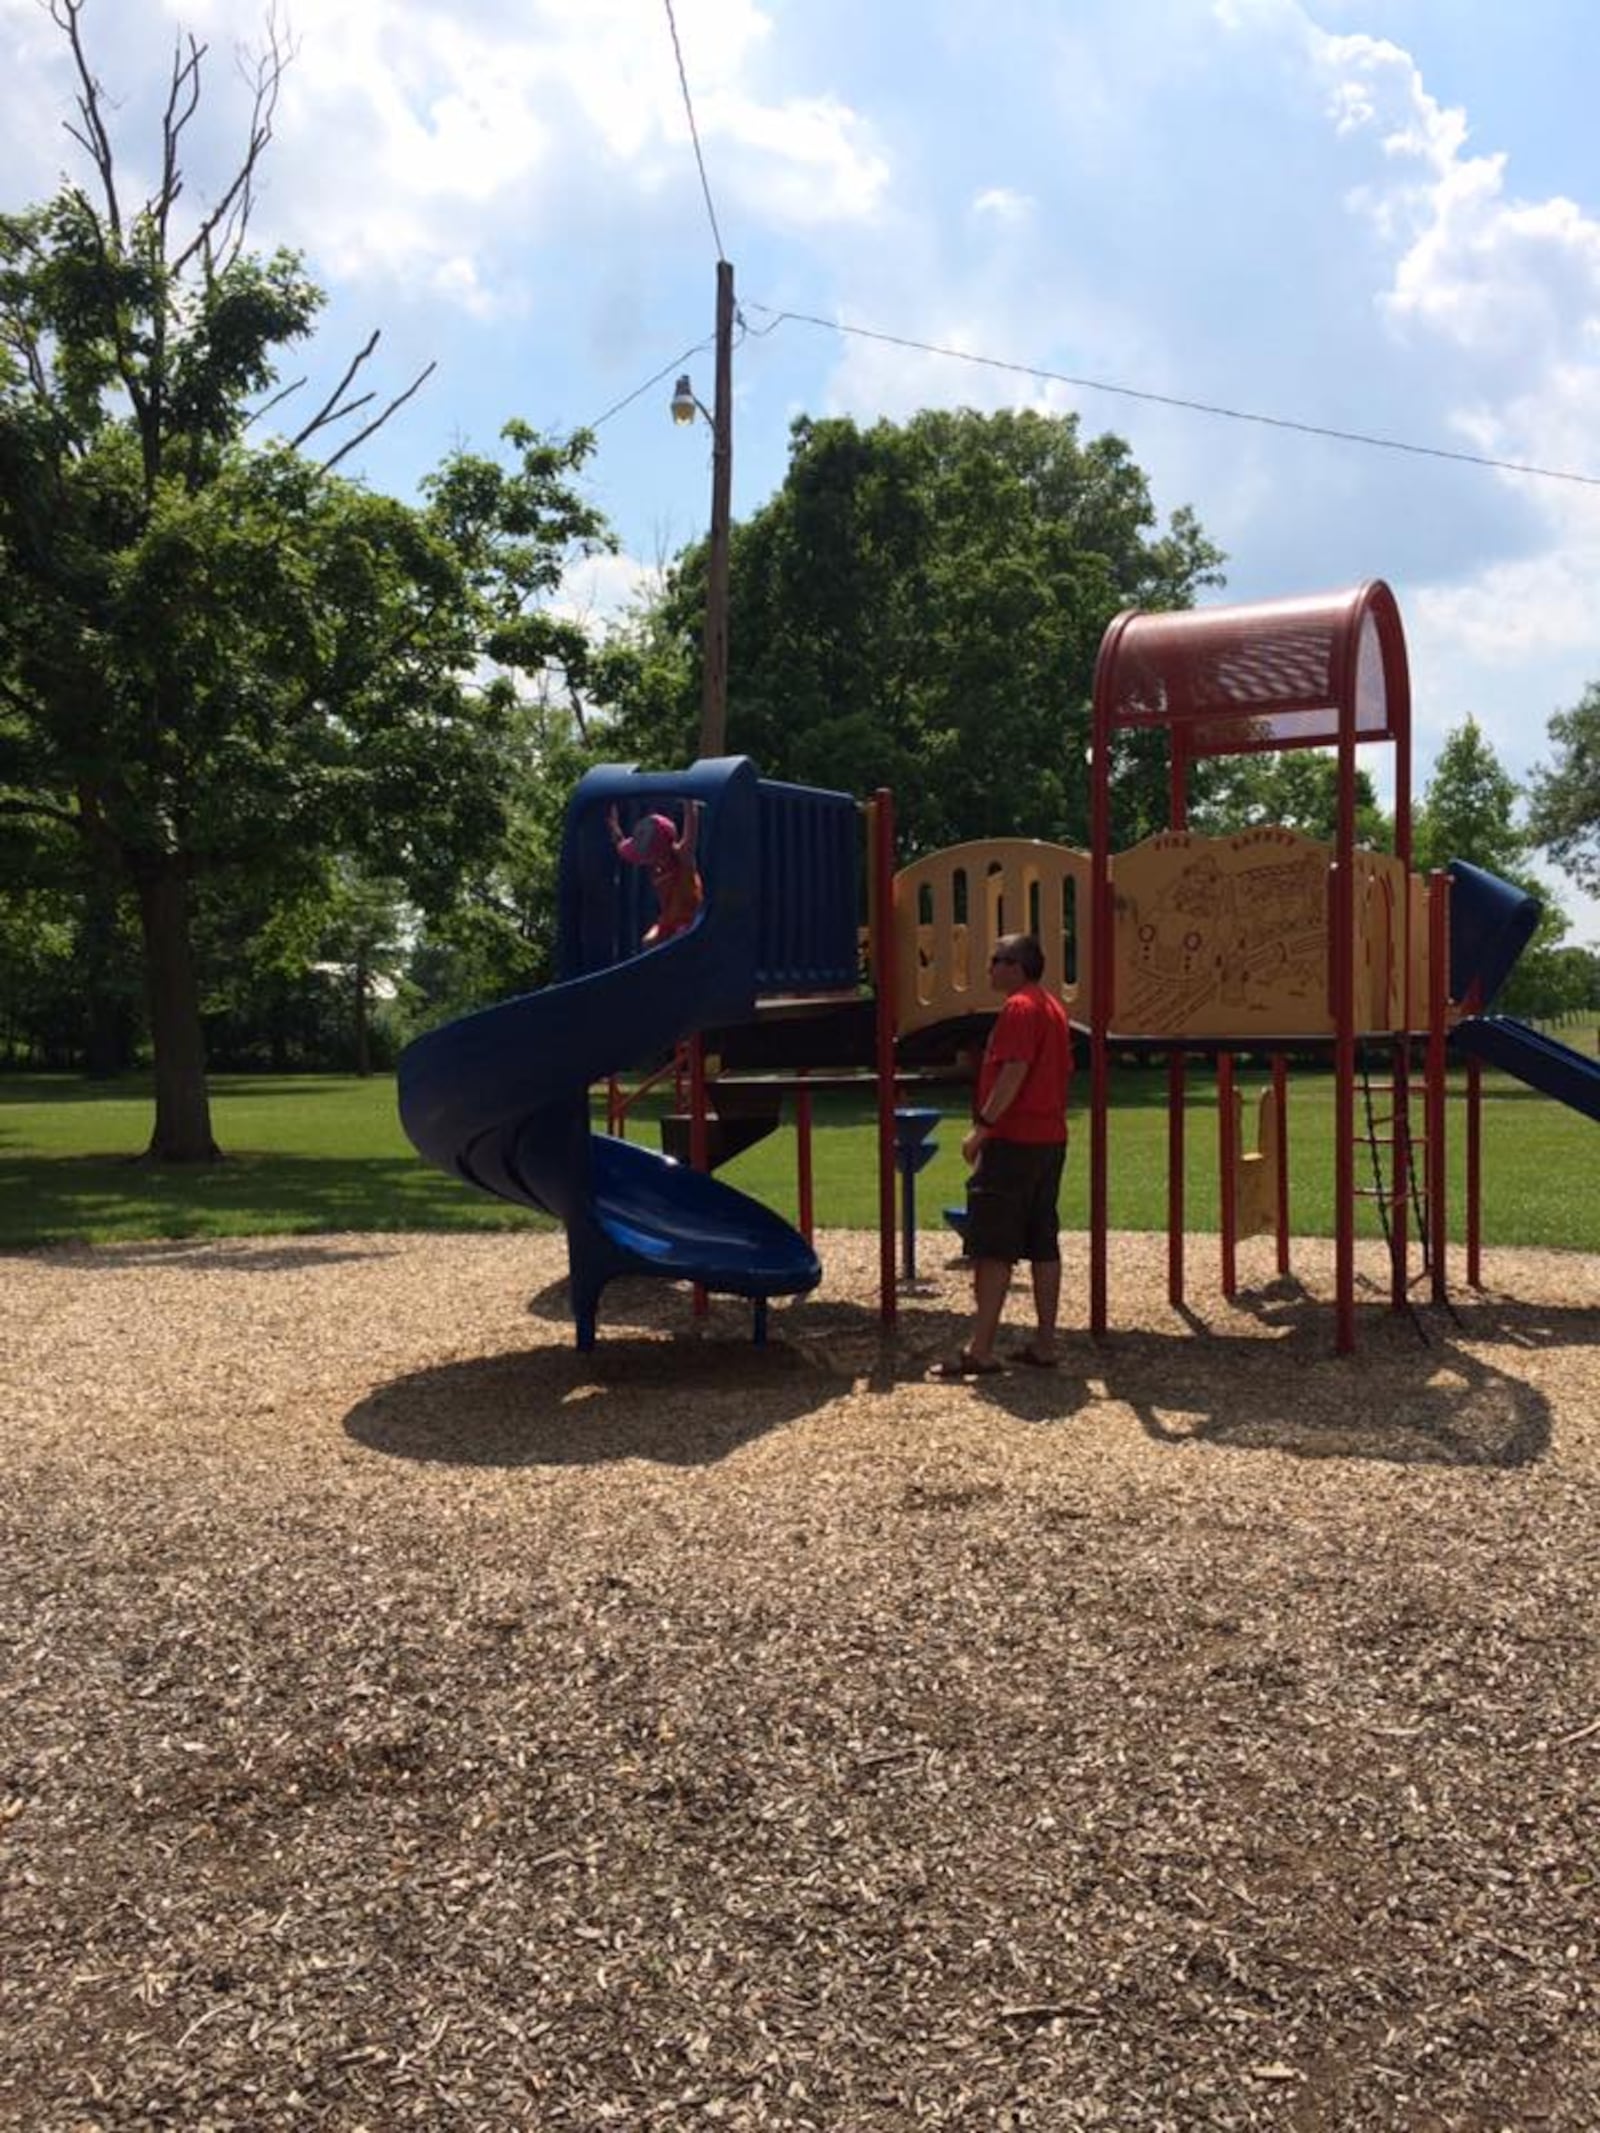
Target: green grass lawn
313 1153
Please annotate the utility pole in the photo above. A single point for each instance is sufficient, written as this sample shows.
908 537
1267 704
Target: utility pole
714 699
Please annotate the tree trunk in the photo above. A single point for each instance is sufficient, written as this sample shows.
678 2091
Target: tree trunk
183 1106
363 1046
107 1039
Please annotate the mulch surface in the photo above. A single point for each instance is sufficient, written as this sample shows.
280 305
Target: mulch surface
407 1721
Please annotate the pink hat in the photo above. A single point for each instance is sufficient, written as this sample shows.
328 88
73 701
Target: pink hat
651 833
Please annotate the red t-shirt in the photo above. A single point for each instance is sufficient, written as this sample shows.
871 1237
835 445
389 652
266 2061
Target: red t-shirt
1032 1026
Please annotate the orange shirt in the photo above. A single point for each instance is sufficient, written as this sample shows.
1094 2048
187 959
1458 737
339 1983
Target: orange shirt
676 882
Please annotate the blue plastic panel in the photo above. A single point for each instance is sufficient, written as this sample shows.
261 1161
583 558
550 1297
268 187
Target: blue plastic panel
810 889
1491 922
1553 1069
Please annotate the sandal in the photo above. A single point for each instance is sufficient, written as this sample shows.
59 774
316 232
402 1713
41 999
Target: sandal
966 1365
1035 1361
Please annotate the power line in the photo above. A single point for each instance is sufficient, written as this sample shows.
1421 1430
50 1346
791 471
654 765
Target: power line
1196 407
665 371
694 130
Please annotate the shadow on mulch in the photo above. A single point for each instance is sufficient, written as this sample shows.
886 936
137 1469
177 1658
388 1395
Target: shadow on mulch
1410 1394
846 1340
662 1387
678 1403
1435 1406
1487 1317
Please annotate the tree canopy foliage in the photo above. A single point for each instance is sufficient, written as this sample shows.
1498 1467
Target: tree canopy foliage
920 605
1298 790
221 659
1564 812
1468 811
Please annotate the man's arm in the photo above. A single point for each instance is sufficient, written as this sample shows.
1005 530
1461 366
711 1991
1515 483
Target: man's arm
1007 1085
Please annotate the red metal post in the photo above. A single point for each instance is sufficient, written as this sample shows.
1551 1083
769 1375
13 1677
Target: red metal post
1474 1173
1177 1090
883 978
1101 936
699 1153
802 1138
1228 1154
1280 1098
1438 1023
1400 1187
1340 927
1177 819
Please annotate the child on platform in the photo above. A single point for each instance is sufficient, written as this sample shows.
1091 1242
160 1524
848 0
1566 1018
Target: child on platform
669 858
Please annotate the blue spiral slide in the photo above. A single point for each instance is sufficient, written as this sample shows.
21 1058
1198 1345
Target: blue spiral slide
501 1098
1491 922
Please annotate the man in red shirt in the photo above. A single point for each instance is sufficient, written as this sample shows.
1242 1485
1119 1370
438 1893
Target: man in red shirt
1017 1148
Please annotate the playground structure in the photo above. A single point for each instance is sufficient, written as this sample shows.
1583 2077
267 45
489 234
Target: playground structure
1264 941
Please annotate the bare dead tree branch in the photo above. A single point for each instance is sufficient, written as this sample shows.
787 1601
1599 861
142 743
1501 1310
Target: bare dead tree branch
283 393
398 401
230 215
330 410
183 97
94 138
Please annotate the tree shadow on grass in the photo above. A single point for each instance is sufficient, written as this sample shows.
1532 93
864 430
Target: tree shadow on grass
55 1200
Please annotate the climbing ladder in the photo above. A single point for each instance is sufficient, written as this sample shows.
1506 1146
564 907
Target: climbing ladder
1407 1183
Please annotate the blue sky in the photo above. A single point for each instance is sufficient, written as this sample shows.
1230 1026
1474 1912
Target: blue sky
1375 215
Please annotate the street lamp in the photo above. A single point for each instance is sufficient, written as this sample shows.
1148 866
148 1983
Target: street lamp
685 406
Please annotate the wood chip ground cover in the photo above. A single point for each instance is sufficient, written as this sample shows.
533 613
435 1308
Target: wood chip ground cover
406 1721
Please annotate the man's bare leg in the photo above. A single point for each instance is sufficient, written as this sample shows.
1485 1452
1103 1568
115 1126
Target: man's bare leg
1046 1304
991 1279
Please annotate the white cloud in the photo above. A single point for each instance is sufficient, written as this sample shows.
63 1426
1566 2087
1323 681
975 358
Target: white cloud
601 588
1500 298
1474 267
448 142
1001 204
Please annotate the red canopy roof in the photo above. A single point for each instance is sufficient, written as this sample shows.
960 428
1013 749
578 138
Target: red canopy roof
1268 674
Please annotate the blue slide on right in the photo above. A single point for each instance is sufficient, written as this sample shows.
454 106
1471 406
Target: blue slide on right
1491 922
501 1098
1554 1069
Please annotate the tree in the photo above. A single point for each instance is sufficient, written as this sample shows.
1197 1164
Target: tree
1297 790
1468 807
223 660
1564 809
921 606
498 935
1468 812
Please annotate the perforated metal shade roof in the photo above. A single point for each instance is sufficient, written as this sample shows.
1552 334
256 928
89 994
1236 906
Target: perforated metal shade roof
1269 674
